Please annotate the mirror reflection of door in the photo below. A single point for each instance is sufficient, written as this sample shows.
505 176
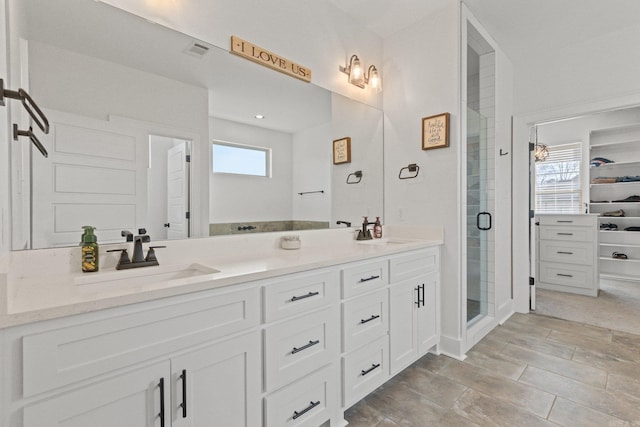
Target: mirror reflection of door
168 188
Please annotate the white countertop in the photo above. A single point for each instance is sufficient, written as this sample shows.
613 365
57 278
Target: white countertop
47 284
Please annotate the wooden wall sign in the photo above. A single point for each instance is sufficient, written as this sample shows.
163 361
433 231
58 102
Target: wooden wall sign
435 131
269 59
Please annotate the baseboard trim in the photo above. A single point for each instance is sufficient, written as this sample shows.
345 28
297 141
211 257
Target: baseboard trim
451 347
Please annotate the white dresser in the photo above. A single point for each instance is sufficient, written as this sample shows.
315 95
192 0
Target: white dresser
567 253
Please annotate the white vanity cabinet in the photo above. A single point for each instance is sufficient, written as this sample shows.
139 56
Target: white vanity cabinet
127 366
414 308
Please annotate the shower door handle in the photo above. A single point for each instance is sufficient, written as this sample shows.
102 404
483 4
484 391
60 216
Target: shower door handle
478 221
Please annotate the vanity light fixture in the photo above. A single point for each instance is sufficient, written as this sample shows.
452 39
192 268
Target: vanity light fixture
540 151
259 116
358 77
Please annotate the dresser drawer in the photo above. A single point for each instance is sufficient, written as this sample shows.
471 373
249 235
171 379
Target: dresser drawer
364 277
300 293
66 355
567 233
567 220
364 319
567 252
413 264
308 402
566 275
365 369
299 346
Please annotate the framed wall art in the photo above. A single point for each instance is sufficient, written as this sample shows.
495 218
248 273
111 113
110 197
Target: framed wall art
342 150
435 131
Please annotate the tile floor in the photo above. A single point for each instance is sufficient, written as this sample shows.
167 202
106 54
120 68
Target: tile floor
532 371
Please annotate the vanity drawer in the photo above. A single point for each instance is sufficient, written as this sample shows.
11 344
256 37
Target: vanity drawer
299 294
414 264
308 402
568 233
364 370
364 319
566 252
566 275
566 220
364 277
69 354
299 346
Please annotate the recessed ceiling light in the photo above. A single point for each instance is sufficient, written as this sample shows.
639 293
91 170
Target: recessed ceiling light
259 116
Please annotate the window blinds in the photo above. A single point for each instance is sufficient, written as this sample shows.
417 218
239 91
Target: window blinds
558 180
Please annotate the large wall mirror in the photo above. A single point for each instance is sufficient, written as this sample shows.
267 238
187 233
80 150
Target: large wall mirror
135 109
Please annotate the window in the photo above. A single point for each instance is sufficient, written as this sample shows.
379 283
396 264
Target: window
558 180
241 159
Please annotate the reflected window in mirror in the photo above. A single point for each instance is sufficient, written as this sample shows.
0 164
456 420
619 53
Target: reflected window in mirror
241 159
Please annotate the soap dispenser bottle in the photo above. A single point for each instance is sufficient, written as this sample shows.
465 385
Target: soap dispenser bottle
89 245
377 228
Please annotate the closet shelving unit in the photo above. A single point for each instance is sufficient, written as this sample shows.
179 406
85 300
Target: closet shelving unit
622 146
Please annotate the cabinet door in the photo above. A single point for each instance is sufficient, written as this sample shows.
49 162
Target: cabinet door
427 315
402 324
135 399
218 385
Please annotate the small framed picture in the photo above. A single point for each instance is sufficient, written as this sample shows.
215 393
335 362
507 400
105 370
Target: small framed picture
342 150
435 131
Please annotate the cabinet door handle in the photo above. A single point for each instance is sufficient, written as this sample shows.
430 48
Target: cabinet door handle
565 221
161 415
564 275
417 289
565 234
373 317
310 294
420 300
304 347
566 253
312 405
183 405
422 286
369 278
373 366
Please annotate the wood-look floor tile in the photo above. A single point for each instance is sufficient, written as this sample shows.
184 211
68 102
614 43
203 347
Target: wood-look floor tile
531 399
614 364
624 384
486 410
632 341
570 414
569 326
432 363
363 415
385 423
541 345
437 388
614 404
452 419
496 363
526 330
578 371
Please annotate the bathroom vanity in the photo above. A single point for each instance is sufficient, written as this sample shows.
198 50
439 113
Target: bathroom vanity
232 329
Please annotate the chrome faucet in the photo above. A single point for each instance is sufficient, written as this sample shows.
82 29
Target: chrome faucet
138 259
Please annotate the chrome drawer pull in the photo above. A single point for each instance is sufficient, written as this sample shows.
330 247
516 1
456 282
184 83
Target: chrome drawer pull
565 234
310 294
304 347
566 253
373 317
373 366
369 278
564 275
312 405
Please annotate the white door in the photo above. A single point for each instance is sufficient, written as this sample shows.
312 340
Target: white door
96 174
219 385
403 298
135 399
177 192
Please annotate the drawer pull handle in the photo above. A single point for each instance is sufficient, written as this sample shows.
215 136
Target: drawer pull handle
369 278
304 347
161 415
373 366
312 405
565 221
373 317
566 253
565 234
564 275
310 294
183 405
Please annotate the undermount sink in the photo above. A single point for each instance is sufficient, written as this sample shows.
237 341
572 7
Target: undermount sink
145 275
386 241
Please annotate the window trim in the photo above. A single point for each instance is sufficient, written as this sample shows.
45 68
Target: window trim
268 158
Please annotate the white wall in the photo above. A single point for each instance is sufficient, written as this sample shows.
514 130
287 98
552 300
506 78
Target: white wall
311 160
421 77
315 34
237 198
364 125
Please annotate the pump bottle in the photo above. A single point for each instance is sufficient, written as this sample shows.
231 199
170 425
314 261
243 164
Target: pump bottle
89 245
